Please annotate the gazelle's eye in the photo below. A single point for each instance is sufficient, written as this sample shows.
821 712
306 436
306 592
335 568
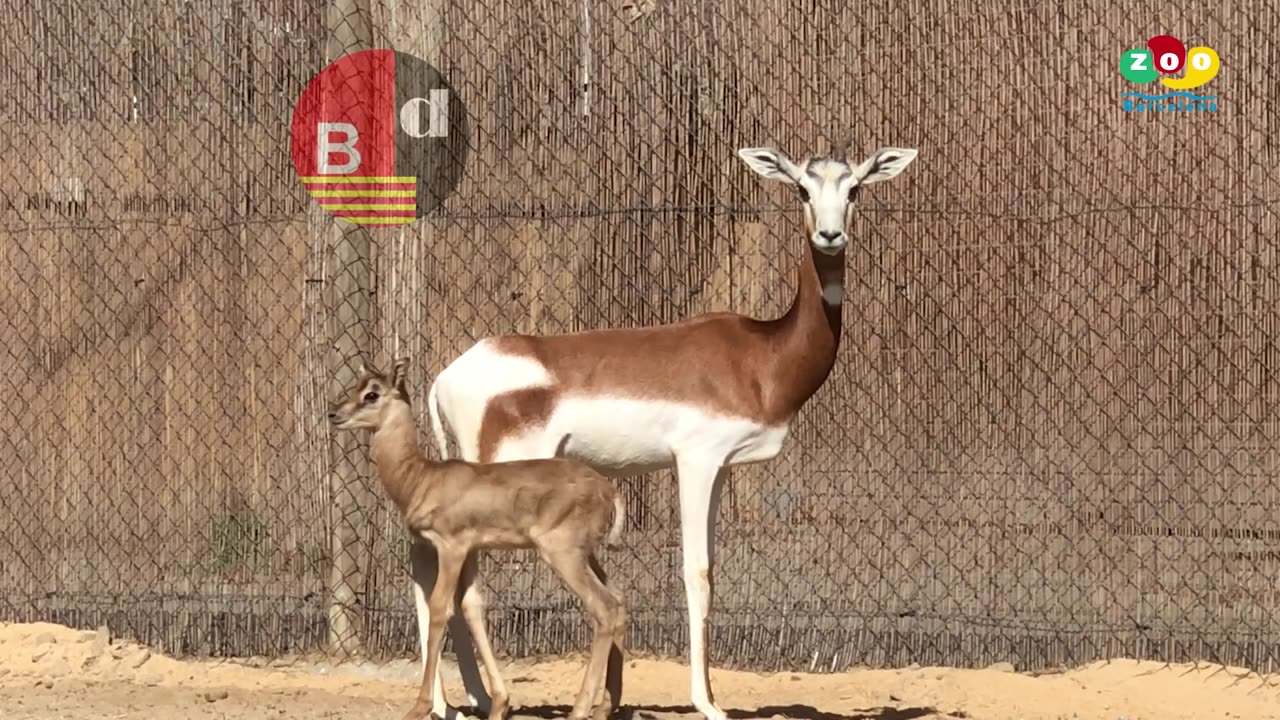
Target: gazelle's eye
804 194
853 192
371 398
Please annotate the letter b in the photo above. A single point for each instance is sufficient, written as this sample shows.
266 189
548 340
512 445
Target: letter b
325 148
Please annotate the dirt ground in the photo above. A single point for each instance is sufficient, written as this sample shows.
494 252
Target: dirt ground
50 671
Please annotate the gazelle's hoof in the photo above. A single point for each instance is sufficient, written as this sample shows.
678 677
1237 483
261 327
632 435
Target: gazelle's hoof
711 711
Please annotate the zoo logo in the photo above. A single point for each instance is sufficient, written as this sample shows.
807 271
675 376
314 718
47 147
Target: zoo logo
379 138
1166 55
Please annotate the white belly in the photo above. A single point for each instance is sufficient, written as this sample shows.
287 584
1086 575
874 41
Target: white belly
627 435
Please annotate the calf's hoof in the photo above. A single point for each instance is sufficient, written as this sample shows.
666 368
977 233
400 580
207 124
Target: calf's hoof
601 711
498 708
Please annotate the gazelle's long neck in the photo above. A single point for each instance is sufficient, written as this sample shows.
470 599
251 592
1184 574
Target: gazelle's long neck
808 335
394 448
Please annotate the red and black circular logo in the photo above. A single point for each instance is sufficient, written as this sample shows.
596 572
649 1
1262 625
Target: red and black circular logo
379 138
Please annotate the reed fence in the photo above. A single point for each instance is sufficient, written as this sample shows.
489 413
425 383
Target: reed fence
1052 435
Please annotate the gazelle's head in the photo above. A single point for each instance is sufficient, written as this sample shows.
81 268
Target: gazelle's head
364 406
828 186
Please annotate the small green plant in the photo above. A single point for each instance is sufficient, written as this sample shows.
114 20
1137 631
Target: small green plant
237 540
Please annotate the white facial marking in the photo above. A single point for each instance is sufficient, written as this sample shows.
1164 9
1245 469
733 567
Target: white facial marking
828 183
833 294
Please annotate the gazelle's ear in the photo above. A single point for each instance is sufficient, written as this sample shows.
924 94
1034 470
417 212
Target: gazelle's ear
770 163
397 370
398 378
369 370
884 164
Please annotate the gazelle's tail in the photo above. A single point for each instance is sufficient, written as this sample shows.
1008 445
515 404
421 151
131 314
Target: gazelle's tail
437 428
619 521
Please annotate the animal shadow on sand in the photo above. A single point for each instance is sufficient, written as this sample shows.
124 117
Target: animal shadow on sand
674 712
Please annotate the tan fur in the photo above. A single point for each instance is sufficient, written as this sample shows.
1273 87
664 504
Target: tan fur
560 507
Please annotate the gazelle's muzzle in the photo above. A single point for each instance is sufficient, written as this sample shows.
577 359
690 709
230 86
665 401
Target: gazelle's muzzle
830 241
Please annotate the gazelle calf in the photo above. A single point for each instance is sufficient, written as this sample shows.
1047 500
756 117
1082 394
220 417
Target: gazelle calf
560 507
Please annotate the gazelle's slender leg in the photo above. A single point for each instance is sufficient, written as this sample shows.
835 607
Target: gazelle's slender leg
608 620
700 478
423 563
613 676
464 647
440 604
471 599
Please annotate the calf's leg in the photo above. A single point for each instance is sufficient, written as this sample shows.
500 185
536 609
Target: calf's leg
607 616
613 676
472 602
422 558
440 605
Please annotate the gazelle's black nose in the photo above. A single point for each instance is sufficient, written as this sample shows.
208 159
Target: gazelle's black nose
830 234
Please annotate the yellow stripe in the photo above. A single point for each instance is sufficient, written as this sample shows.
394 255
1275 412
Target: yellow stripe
379 220
347 179
366 206
360 192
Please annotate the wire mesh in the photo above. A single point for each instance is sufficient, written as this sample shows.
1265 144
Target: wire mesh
1050 437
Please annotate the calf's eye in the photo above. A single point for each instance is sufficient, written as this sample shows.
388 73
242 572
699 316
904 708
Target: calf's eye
371 397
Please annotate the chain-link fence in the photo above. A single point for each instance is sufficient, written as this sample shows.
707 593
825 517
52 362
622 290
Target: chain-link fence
1052 434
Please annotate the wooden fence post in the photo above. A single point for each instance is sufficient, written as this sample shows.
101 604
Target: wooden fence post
350 281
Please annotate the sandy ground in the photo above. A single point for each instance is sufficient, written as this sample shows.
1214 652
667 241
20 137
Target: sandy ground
50 671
